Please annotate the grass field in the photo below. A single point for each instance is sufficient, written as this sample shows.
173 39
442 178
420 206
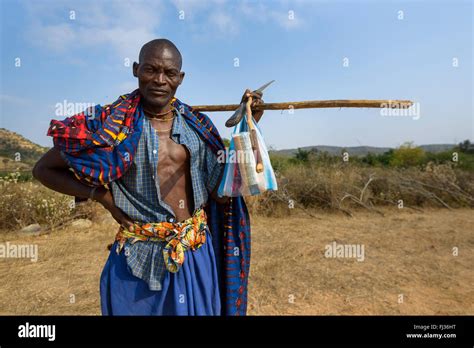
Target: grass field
406 253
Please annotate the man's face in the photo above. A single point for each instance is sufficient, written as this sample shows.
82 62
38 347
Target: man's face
158 75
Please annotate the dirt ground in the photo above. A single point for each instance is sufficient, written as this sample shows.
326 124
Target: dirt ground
414 263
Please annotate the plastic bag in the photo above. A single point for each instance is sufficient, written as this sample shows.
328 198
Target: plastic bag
240 174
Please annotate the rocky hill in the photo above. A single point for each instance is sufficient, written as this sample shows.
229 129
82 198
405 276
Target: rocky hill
17 152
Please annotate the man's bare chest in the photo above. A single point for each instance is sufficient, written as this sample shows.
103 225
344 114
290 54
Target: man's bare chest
173 155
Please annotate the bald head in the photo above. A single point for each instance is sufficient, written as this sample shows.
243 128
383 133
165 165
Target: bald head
159 45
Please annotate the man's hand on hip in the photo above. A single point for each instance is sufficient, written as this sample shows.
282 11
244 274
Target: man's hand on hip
104 197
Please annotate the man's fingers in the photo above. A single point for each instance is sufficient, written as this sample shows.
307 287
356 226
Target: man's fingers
248 93
256 102
123 219
127 223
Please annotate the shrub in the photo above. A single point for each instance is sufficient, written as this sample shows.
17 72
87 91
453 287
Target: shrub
346 186
25 203
407 155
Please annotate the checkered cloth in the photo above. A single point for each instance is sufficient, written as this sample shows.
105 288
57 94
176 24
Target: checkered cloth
137 193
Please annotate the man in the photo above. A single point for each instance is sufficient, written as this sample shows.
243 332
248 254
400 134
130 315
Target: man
151 161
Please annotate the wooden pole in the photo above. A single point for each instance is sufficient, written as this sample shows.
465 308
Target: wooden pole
310 104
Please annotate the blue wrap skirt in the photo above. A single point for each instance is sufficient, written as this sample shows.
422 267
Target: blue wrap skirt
193 290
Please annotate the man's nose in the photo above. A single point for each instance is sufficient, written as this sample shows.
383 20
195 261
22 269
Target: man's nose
160 77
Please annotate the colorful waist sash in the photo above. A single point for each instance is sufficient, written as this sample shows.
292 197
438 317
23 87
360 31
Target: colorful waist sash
179 237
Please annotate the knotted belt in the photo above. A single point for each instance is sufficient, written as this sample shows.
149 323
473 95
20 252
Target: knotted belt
178 236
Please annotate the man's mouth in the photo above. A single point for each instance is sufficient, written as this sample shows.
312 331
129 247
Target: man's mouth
159 92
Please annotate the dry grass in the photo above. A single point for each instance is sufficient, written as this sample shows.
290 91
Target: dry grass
342 187
68 268
406 253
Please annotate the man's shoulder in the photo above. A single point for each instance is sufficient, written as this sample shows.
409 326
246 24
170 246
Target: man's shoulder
201 125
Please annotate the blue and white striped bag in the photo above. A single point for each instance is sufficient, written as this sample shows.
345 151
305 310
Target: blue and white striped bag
240 175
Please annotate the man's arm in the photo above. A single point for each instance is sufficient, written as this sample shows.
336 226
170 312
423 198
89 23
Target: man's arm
53 172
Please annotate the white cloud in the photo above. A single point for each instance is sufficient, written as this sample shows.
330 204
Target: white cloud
226 17
223 22
284 15
290 19
120 27
191 5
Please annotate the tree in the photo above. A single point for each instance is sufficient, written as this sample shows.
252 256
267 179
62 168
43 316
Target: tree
386 157
370 159
302 155
407 155
466 146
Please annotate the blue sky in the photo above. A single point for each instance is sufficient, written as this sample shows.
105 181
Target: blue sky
77 52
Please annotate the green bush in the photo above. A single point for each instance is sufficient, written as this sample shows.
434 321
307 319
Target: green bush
407 155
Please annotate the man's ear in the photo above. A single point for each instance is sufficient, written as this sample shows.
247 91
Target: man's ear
181 77
135 69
